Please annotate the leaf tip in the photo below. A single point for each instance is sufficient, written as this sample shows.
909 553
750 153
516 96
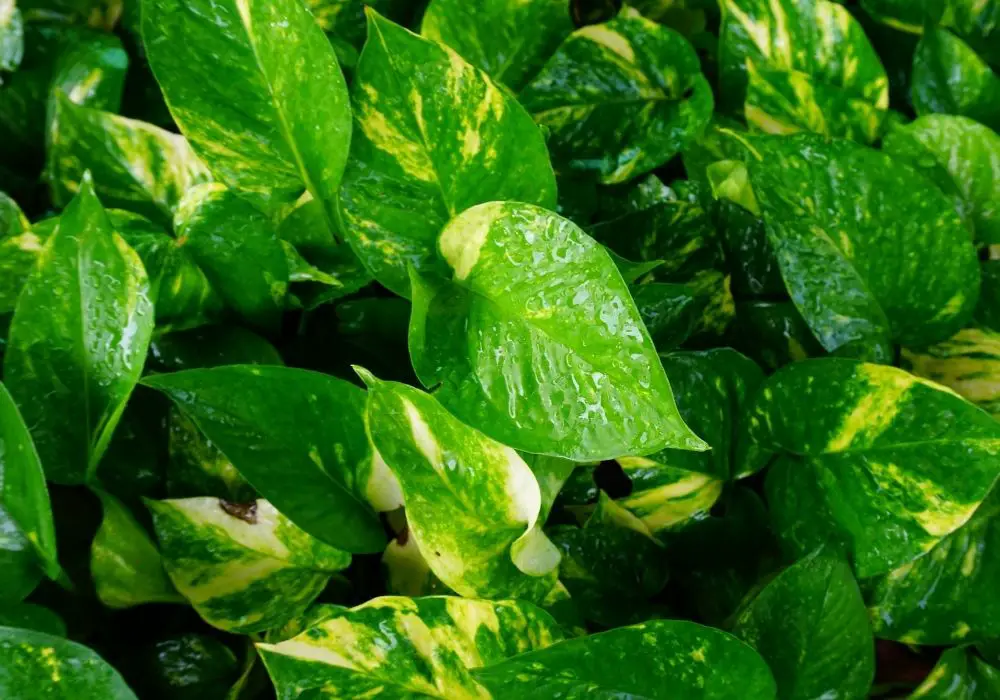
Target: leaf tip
367 377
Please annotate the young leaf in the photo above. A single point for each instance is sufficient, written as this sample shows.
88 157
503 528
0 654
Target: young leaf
637 661
945 597
124 562
968 153
429 144
297 436
472 504
33 662
28 545
949 78
136 166
510 41
620 99
781 55
407 647
889 467
78 339
537 342
243 566
811 626
239 251
832 223
273 120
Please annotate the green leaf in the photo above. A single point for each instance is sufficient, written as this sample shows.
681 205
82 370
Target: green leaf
510 41
620 99
192 666
428 145
211 346
407 572
537 342
11 36
773 334
472 504
959 675
949 78
803 65
13 222
89 70
638 661
967 153
33 662
811 626
124 562
239 251
968 363
78 339
272 120
833 210
18 254
28 543
244 567
136 166
946 596
610 572
297 437
197 467
32 617
669 312
406 647
889 467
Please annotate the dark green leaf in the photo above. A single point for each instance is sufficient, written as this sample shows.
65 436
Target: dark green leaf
32 617
211 346
949 78
960 675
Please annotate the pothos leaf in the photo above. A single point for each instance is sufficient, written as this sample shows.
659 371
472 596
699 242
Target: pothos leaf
621 98
968 363
78 342
429 144
537 315
243 566
959 673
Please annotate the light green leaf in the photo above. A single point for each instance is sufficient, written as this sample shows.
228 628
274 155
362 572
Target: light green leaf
803 65
968 363
833 210
244 567
537 342
889 467
638 661
28 540
136 166
949 78
621 98
959 675
510 41
11 36
13 222
472 504
32 617
297 436
811 626
967 152
18 254
239 251
78 342
124 562
272 120
429 144
31 661
946 596
406 648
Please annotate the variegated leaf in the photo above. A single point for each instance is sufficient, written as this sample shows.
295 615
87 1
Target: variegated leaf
946 596
243 566
962 156
124 562
959 675
536 341
429 144
18 254
510 41
197 467
949 78
641 661
620 99
272 120
968 363
11 36
472 504
77 342
136 166
802 65
831 223
871 459
407 647
407 573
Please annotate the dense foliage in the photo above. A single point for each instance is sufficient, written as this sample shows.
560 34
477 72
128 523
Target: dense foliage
513 349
